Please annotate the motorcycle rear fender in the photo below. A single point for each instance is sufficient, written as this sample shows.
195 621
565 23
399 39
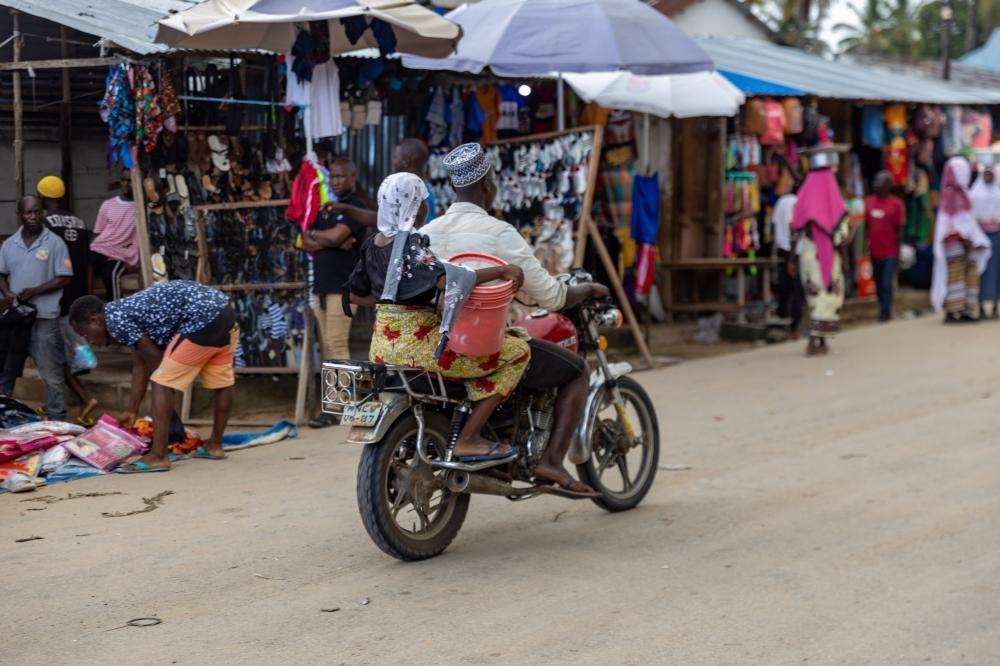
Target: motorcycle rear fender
580 448
396 405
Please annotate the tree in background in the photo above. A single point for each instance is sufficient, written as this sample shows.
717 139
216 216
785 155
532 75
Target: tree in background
795 22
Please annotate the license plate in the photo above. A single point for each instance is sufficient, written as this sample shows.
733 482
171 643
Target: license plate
365 415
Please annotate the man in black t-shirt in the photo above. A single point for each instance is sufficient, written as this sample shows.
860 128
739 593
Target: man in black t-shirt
334 240
75 234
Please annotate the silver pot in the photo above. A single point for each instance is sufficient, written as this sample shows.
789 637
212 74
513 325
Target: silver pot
825 159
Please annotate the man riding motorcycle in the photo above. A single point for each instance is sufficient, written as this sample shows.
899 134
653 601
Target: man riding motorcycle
467 227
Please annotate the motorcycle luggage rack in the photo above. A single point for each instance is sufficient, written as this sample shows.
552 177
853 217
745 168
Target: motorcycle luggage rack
353 383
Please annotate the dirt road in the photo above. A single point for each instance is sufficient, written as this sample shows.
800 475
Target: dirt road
837 510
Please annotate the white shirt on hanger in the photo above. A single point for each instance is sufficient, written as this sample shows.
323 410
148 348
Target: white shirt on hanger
296 90
325 100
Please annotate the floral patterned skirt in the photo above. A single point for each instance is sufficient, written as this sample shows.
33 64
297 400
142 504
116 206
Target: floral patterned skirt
409 336
824 302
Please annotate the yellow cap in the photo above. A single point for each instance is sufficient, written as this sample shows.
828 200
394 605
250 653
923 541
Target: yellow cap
52 187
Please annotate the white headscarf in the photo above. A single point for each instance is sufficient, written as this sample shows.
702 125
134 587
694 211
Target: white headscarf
955 217
399 199
986 200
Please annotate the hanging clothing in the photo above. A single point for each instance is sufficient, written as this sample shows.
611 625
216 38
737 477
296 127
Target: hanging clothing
489 101
475 118
985 198
297 88
437 119
510 103
324 101
959 244
117 109
310 192
872 127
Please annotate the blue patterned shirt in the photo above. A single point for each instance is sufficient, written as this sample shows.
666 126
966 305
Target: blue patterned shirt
163 311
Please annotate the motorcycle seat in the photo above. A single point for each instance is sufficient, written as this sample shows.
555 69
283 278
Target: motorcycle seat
421 382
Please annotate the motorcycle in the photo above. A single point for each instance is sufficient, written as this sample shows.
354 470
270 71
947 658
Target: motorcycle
414 496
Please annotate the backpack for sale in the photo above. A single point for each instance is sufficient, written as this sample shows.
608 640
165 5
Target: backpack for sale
774 134
755 117
793 115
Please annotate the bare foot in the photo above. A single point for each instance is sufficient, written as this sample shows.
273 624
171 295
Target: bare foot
87 409
558 475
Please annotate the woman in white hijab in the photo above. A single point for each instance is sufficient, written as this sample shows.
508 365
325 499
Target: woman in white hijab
961 249
400 275
985 196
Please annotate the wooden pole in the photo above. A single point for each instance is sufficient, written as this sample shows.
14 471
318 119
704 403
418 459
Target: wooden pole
66 121
142 227
616 284
18 114
303 386
593 167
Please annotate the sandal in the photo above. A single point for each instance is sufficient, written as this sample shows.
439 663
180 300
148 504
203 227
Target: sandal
566 489
139 467
202 454
490 455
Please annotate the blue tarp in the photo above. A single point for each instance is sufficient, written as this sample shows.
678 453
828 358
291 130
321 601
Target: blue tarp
986 56
752 86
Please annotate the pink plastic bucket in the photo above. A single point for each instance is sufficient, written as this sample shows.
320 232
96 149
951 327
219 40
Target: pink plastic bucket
482 322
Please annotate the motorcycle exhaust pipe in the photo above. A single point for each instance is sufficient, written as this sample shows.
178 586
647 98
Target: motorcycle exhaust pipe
468 482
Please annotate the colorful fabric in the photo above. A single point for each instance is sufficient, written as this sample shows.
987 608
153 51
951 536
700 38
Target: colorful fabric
117 109
962 296
409 337
955 218
148 116
617 182
310 192
466 164
824 296
489 99
820 206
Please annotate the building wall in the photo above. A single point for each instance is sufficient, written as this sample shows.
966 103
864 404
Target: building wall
718 18
90 184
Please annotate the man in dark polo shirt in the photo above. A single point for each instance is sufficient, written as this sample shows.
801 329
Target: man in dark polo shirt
334 240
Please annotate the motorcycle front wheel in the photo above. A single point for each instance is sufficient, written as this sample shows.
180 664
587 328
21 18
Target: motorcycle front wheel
622 466
405 505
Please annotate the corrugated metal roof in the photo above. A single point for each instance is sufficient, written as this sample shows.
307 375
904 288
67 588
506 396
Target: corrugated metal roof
836 79
131 24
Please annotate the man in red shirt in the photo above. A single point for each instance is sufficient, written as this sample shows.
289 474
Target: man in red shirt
884 217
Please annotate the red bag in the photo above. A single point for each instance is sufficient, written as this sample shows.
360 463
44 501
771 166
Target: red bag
645 269
866 278
774 134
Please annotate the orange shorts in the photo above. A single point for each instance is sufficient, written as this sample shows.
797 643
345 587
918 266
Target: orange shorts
185 359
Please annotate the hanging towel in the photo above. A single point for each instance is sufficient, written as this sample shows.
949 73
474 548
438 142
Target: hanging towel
324 101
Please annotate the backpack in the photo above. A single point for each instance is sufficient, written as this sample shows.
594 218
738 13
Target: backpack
754 117
810 126
793 115
774 134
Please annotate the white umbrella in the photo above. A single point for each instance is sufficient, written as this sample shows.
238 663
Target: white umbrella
535 37
270 25
680 95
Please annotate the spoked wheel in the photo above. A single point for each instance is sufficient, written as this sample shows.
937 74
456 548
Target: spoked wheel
405 505
623 465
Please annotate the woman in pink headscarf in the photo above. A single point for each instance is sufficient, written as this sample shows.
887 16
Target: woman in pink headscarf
961 249
820 223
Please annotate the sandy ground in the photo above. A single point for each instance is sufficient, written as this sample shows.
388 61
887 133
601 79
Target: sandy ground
837 510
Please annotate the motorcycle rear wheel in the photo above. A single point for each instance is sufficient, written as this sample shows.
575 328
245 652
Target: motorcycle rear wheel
611 448
405 506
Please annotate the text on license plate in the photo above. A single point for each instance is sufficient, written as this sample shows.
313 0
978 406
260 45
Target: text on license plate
365 415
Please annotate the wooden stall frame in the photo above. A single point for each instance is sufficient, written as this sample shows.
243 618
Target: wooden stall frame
204 277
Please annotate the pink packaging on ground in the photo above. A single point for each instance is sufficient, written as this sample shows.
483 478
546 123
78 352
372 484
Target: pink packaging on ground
105 445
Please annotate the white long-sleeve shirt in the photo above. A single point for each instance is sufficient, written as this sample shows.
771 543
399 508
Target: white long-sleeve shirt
466 227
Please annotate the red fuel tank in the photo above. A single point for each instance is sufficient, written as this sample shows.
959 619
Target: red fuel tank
551 327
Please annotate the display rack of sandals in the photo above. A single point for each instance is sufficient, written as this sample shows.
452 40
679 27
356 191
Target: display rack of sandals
545 188
223 224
